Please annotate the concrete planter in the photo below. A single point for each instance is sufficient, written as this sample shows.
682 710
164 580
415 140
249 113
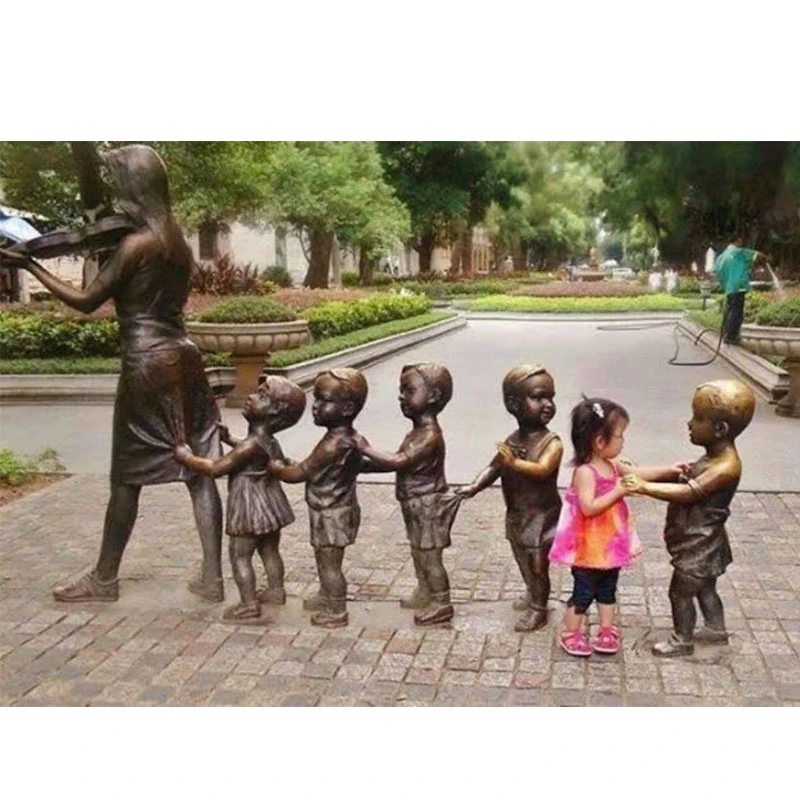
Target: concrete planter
249 345
769 341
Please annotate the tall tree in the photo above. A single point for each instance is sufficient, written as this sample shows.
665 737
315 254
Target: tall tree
444 184
330 188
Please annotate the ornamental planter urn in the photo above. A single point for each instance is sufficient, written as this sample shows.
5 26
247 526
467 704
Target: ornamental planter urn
766 340
249 346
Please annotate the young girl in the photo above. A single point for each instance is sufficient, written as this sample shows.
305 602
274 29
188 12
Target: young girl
595 534
257 506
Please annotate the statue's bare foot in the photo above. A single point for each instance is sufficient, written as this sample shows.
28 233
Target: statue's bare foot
317 602
672 647
243 611
330 619
275 596
88 589
532 621
213 590
419 598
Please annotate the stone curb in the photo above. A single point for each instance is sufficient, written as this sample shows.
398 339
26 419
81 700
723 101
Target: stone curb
101 389
615 316
304 373
770 380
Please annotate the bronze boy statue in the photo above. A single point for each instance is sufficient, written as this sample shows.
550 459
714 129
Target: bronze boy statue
421 487
257 506
698 507
527 463
329 474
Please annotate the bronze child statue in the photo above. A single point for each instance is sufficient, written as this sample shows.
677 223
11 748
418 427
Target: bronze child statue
699 504
330 473
421 487
527 463
257 506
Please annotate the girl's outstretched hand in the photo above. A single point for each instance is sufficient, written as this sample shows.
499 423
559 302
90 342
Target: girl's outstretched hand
632 484
681 468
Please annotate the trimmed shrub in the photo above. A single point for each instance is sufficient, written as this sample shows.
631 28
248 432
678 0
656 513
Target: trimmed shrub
278 275
350 279
781 313
324 347
50 335
248 310
382 279
567 305
335 319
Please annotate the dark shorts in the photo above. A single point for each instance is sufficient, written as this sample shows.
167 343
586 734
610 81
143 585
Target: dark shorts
593 584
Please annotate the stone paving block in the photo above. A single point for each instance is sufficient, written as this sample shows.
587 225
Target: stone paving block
426 676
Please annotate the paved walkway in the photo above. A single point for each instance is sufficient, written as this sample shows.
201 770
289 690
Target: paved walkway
159 645
628 366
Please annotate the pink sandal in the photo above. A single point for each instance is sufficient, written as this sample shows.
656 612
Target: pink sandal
607 641
574 643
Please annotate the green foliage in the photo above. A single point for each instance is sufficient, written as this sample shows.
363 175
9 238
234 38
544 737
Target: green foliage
334 319
40 177
439 290
382 279
59 366
350 278
567 305
781 313
278 275
442 183
248 310
325 347
691 193
49 335
16 470
327 187
218 181
754 302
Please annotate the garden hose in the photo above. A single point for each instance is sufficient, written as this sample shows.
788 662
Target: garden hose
673 361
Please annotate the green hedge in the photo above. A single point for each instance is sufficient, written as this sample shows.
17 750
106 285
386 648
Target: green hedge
577 305
337 318
442 290
59 366
780 313
252 310
285 358
51 335
16 470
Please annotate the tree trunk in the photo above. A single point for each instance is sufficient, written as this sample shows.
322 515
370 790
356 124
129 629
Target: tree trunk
425 251
366 267
520 257
320 258
455 257
466 252
281 259
336 263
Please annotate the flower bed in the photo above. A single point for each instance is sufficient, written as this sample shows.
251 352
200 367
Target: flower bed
582 289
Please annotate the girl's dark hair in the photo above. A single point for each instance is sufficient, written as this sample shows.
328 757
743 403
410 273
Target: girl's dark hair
593 416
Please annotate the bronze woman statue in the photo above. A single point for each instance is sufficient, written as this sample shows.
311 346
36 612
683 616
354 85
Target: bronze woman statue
163 396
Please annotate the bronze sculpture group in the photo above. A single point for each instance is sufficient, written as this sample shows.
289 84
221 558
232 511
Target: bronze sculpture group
166 428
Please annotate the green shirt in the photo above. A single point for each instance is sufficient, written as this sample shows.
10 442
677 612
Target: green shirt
732 268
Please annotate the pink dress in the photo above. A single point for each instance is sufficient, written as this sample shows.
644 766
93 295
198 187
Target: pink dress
605 541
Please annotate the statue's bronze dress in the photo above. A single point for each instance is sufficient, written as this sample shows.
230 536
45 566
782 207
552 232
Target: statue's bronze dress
163 397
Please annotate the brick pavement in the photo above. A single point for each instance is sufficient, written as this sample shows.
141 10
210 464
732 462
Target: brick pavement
159 645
